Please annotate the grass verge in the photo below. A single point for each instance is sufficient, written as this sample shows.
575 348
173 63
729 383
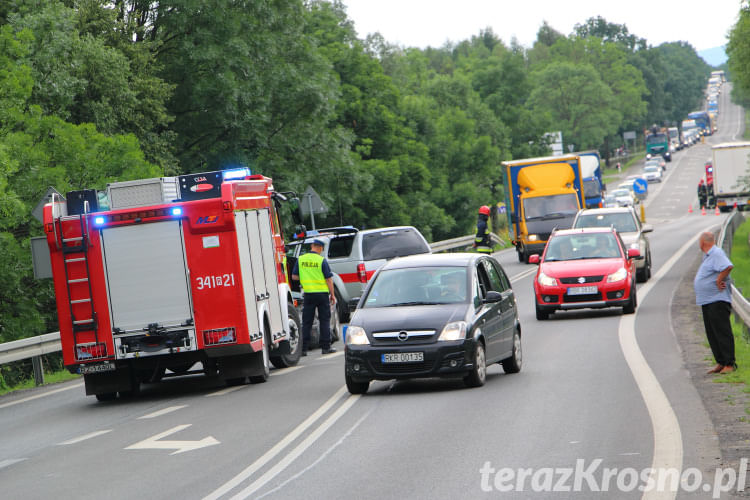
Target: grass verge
49 378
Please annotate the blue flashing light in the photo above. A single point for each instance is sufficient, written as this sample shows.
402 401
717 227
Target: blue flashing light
99 220
177 211
235 173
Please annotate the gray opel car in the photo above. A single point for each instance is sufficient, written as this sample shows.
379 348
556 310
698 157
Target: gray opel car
437 315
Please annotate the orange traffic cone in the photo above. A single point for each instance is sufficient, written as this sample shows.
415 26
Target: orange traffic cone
690 208
703 210
716 212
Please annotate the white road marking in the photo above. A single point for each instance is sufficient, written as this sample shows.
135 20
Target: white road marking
226 391
296 452
285 371
332 355
163 411
84 437
154 443
523 274
37 396
666 427
10 461
278 448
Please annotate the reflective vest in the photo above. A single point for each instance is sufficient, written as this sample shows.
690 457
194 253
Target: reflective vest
311 273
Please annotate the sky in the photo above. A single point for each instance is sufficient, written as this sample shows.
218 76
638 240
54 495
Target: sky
422 23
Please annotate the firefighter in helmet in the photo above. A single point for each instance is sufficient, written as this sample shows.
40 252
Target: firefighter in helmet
702 193
482 241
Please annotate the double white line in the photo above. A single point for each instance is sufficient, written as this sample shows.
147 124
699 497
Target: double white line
281 445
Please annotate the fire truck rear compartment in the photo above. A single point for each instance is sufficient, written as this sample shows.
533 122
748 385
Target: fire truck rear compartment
148 289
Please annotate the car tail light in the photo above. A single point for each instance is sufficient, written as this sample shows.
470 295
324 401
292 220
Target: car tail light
362 272
219 336
86 352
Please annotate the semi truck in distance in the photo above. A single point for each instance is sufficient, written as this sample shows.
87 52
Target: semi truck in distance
657 142
731 164
541 194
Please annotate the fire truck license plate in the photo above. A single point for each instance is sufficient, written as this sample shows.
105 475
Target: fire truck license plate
402 357
96 368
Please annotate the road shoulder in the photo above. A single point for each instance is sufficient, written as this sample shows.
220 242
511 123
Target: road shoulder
724 403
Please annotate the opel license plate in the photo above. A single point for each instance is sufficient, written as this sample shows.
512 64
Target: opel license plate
107 366
402 357
582 290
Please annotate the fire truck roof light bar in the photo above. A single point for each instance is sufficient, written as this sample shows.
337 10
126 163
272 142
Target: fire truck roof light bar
235 173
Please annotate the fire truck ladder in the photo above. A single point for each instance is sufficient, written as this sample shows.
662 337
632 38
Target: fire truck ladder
75 252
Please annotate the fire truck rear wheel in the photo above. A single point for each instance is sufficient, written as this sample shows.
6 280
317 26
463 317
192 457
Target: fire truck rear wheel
295 341
259 379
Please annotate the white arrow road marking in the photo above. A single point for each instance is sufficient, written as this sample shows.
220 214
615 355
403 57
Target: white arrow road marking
163 411
10 461
84 437
153 442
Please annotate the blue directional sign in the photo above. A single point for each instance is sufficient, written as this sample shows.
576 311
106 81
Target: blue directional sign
640 186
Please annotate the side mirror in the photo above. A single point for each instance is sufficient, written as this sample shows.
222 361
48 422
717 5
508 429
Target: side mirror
647 228
634 253
534 259
492 297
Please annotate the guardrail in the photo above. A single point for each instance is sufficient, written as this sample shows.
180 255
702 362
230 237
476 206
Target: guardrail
35 347
461 242
740 305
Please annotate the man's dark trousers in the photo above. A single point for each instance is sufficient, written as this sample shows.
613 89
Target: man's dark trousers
719 331
320 302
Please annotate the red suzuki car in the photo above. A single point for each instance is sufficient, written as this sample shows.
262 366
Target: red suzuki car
585 268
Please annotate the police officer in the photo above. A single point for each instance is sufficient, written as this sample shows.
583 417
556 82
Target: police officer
482 241
316 278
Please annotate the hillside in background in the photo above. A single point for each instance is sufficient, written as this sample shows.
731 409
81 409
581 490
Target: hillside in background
715 56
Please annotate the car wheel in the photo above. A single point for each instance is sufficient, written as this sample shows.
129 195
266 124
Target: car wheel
541 314
630 308
335 325
356 387
478 373
295 340
513 364
343 308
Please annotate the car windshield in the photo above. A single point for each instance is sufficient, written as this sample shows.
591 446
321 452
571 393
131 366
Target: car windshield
543 207
623 221
582 246
619 193
651 168
418 286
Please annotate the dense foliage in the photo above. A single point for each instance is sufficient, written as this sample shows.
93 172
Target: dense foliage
93 91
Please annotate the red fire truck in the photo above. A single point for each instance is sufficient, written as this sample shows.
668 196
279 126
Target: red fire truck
162 274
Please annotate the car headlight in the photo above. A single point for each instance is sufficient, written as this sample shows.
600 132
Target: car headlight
355 335
533 237
618 275
453 331
545 280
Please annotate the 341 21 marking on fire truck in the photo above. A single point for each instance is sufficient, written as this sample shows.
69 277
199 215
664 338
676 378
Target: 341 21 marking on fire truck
215 281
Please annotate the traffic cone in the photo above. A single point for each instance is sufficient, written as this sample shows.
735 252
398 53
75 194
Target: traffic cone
716 212
690 208
735 206
703 210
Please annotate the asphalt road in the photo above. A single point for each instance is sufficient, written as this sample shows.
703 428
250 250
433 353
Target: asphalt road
594 387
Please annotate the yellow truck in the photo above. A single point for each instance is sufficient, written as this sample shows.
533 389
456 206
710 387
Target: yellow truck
541 194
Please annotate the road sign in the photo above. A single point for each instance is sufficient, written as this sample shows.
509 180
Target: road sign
628 136
38 211
311 202
640 186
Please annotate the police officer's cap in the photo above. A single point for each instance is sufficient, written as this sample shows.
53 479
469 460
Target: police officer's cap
317 242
